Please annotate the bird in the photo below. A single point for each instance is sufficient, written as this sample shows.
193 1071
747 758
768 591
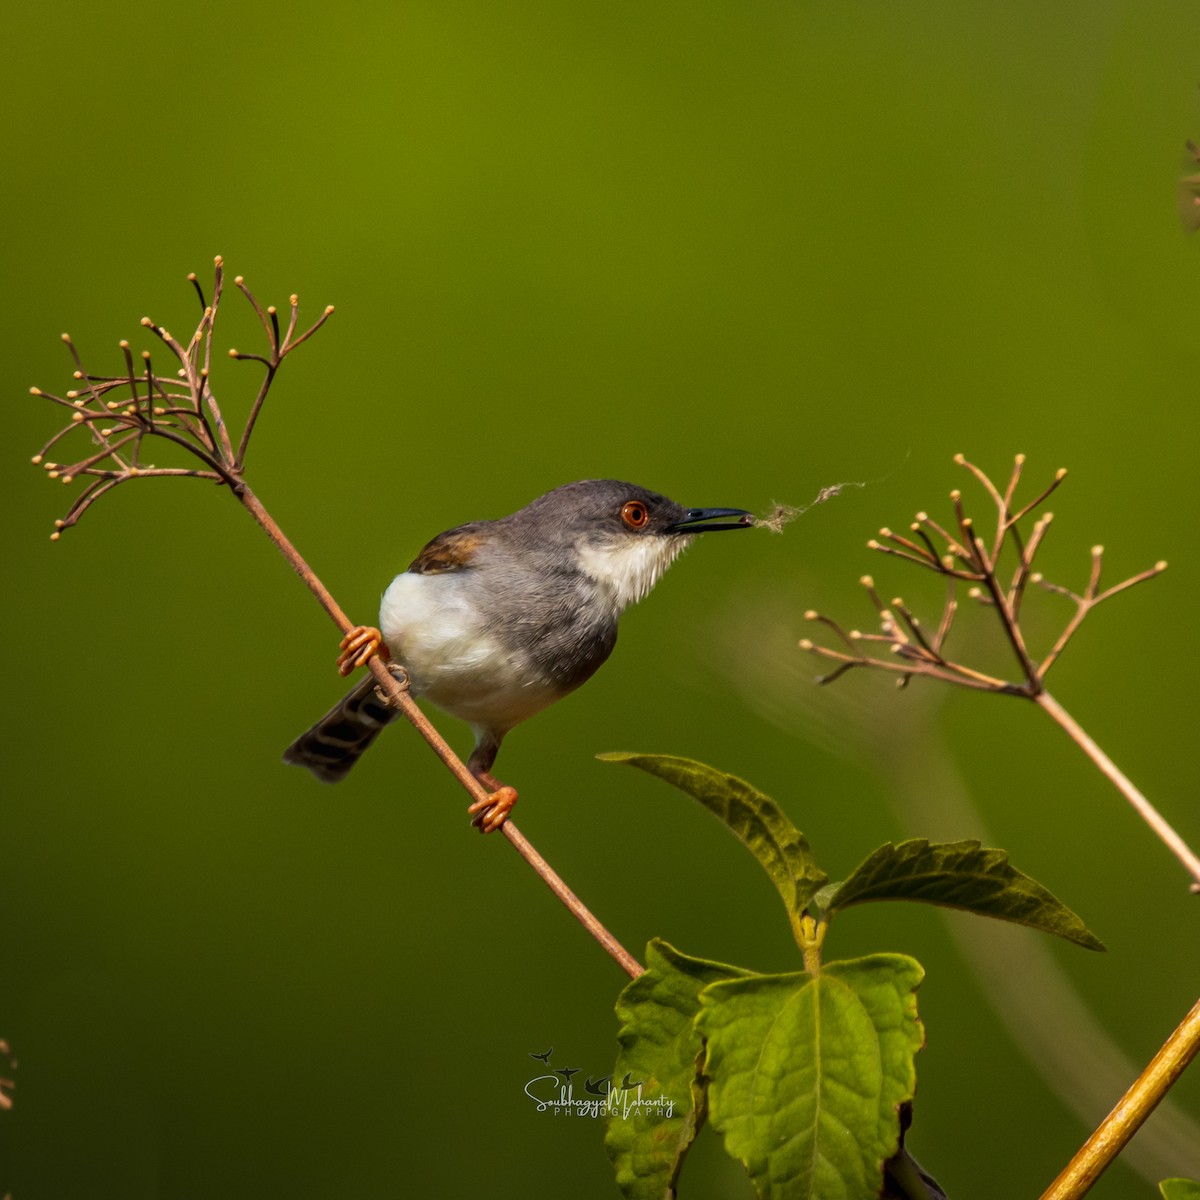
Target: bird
545 1058
494 620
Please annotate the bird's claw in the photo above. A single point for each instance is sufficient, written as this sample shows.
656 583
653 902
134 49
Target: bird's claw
358 647
488 814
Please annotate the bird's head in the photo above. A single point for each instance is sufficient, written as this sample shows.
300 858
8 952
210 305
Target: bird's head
621 535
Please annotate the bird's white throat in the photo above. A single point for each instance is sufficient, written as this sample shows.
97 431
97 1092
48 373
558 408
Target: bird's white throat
629 568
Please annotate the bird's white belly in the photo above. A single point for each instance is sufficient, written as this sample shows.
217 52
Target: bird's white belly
452 659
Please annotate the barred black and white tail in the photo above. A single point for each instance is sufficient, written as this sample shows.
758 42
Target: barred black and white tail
333 745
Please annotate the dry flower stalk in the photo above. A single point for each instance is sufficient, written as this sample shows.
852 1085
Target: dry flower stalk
967 555
121 413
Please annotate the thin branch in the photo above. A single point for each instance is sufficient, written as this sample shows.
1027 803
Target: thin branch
240 283
294 304
949 673
1089 600
1125 786
914 628
244 356
920 552
939 567
312 328
966 533
107 482
1141 577
256 408
952 546
813 615
1059 476
868 582
130 375
1001 502
1114 1132
932 550
279 350
948 610
1011 490
105 451
1012 630
1016 590
210 315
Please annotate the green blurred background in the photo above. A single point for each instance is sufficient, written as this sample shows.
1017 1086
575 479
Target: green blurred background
734 252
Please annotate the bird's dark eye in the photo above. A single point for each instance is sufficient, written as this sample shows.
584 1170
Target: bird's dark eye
635 514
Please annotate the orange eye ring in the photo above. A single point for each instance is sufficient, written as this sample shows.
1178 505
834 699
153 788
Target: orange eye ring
635 514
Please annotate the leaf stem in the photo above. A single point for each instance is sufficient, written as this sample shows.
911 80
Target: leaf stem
1157 822
810 935
1110 1138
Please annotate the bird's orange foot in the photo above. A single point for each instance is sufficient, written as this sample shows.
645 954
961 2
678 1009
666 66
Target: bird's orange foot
359 646
488 814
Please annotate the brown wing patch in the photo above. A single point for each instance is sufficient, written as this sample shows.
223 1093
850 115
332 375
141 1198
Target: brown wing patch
449 551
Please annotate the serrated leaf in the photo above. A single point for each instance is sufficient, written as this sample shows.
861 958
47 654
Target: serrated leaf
1180 1189
807 1073
659 1049
752 816
962 875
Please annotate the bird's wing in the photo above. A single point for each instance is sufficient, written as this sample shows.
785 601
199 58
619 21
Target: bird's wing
449 551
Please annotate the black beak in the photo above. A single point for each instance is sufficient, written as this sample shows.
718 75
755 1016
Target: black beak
708 520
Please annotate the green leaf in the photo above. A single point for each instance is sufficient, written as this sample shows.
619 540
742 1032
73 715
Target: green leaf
1180 1189
659 1049
753 817
960 875
819 901
807 1073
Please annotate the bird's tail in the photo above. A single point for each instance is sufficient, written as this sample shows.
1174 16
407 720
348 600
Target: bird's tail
333 745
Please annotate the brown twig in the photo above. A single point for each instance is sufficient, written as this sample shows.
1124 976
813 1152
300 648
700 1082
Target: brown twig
1125 786
183 411
1109 1139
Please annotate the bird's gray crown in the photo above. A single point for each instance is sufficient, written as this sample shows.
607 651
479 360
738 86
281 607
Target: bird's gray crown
596 511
